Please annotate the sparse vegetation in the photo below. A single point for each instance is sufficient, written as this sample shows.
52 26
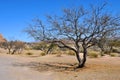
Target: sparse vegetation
69 52
113 54
107 52
42 53
29 53
115 50
80 43
13 46
58 55
43 46
92 54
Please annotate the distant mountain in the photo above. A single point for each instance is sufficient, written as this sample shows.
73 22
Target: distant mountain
2 39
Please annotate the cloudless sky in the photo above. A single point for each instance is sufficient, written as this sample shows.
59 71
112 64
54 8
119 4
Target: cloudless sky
15 15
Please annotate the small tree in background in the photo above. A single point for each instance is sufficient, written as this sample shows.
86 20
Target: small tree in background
19 46
13 46
80 26
114 43
106 43
40 46
8 46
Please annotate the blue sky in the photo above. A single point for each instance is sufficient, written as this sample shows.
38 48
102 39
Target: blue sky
15 15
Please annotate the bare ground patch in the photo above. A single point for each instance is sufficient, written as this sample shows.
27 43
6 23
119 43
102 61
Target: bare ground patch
105 68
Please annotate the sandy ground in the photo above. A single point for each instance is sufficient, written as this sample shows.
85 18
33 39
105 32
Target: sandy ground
50 67
9 70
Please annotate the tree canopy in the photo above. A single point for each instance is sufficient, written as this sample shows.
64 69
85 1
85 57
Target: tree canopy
83 27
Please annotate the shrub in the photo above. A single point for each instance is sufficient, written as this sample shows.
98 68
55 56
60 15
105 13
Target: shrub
29 53
43 54
106 52
54 52
102 54
92 54
115 51
40 46
58 55
70 52
112 54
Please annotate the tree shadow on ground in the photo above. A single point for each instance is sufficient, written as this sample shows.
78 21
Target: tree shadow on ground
51 66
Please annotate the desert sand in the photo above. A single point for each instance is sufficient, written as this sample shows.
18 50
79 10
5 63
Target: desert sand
51 67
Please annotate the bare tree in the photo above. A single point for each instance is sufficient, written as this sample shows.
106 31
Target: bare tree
13 46
18 47
8 46
106 43
114 43
82 27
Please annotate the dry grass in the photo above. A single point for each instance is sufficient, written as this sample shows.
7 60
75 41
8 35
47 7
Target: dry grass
42 54
113 54
69 52
93 54
31 53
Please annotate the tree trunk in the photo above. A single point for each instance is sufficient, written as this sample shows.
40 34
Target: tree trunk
78 58
111 50
102 51
9 51
82 64
13 52
49 50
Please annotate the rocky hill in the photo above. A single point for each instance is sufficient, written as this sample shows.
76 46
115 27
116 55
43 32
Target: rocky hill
2 39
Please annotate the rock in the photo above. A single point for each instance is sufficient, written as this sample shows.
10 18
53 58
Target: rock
2 39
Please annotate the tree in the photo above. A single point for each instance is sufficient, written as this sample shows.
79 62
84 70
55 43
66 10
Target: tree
19 46
114 43
106 43
13 46
80 26
8 45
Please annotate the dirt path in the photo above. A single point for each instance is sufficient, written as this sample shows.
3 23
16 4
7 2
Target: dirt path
8 71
